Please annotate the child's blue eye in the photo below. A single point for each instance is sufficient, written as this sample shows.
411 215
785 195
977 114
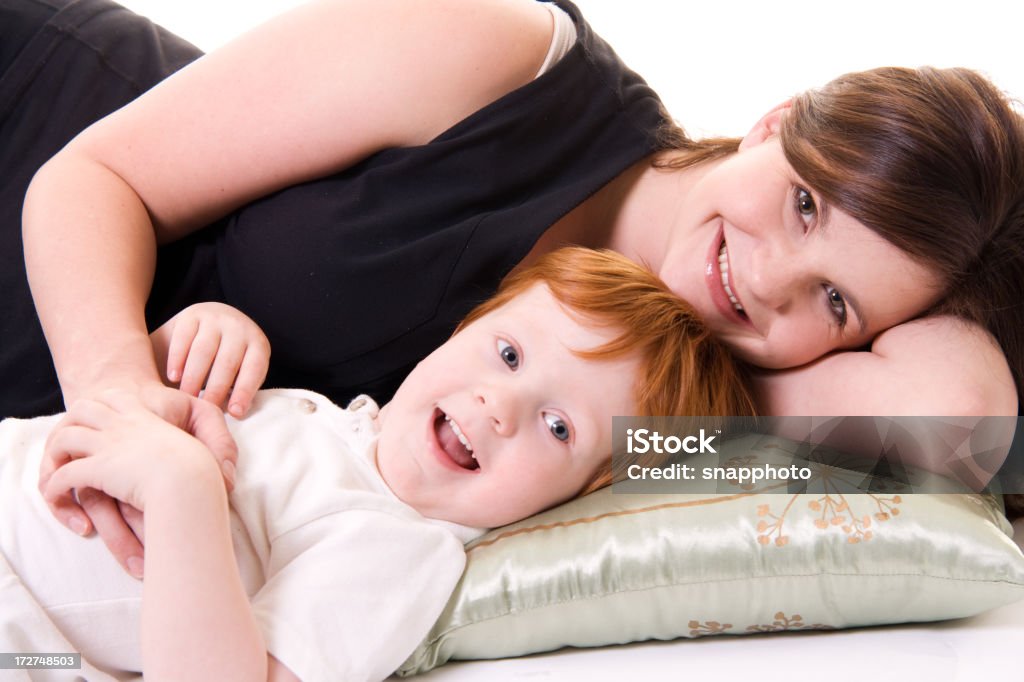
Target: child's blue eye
559 429
508 353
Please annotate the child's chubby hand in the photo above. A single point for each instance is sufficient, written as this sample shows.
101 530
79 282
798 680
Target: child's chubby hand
113 444
216 347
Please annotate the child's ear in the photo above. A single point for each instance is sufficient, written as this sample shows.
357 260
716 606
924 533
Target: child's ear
766 127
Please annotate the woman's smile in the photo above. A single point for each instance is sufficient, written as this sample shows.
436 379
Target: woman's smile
723 265
718 276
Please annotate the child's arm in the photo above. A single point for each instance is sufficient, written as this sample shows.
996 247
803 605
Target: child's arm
216 346
196 621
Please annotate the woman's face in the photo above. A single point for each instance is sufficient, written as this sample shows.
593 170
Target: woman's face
780 277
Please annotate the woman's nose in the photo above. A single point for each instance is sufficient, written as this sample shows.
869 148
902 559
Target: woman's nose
774 275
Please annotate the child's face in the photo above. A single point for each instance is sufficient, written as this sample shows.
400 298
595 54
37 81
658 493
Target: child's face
536 416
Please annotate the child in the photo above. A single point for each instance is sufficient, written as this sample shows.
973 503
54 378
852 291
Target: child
345 531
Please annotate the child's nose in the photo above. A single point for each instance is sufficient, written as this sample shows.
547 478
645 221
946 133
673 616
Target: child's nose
499 409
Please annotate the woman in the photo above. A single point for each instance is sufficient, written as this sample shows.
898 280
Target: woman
427 149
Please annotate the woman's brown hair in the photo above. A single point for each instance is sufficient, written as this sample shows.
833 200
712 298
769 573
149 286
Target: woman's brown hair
932 160
684 369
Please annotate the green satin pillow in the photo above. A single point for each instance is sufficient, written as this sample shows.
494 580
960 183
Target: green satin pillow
613 568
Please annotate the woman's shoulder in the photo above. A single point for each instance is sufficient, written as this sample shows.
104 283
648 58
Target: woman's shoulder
335 82
470 52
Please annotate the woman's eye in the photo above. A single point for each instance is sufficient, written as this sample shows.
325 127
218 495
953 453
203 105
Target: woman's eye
805 206
508 353
559 429
836 303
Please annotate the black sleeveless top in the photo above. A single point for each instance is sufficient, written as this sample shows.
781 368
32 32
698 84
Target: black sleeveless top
357 276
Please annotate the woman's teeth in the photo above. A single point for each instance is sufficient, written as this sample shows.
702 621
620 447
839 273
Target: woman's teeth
723 267
460 435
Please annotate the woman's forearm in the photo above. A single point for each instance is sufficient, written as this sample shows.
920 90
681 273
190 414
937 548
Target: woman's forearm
90 254
930 366
197 623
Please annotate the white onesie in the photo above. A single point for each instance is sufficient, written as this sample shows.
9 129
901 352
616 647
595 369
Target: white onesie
344 578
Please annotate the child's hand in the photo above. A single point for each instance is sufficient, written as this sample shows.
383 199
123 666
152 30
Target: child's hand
114 445
216 346
89 510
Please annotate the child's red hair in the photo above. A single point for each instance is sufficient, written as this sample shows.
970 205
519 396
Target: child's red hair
684 370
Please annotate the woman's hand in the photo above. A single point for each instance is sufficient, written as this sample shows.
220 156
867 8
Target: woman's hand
91 508
216 347
115 445
194 600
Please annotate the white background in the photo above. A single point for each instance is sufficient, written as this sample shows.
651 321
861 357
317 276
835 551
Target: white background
720 64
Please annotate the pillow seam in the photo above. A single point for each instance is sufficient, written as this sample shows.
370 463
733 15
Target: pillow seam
604 595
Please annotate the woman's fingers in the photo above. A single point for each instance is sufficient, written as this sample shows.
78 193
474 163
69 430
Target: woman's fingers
88 453
79 472
135 520
112 528
67 441
90 413
65 508
206 423
70 477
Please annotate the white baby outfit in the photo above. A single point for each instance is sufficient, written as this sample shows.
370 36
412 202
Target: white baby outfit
344 578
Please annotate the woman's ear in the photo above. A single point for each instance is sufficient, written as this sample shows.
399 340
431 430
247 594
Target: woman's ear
767 126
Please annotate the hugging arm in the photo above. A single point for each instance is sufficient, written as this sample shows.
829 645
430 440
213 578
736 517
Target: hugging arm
296 99
933 366
941 373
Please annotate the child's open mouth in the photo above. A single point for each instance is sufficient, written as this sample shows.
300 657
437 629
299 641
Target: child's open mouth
454 442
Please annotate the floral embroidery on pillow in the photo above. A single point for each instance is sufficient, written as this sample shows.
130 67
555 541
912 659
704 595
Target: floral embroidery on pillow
712 627
834 510
781 623
784 622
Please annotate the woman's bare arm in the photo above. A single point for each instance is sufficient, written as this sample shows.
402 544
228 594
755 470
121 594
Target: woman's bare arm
938 366
306 94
